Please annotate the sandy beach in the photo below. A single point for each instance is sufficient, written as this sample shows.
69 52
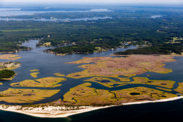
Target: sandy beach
61 112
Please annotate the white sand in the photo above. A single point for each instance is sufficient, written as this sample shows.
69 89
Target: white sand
60 112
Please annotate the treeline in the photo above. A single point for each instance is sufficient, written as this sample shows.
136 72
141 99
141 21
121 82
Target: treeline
75 49
99 45
6 73
156 49
125 26
5 47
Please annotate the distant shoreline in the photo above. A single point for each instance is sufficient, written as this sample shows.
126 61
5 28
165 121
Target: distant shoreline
148 54
56 112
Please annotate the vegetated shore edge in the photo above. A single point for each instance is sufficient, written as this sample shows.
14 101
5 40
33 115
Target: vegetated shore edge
48 113
147 54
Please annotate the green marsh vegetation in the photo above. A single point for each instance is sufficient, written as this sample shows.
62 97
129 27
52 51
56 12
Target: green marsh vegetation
6 73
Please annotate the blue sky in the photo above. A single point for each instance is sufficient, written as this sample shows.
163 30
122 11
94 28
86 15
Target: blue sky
99 1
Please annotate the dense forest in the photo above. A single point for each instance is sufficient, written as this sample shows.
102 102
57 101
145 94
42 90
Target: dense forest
6 73
158 49
133 25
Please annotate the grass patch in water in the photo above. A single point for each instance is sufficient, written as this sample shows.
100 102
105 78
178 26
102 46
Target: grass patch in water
42 82
59 74
34 70
34 74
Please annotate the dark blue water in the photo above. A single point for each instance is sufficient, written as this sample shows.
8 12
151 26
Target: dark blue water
48 64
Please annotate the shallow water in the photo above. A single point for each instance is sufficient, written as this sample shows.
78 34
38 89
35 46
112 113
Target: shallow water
48 64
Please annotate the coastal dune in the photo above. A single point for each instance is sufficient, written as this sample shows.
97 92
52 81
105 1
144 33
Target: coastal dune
62 111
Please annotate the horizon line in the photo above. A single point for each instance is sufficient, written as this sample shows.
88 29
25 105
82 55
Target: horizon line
102 2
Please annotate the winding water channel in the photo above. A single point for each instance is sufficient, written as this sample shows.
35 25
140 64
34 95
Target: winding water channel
48 64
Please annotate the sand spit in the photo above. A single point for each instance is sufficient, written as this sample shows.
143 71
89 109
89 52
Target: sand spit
61 112
50 111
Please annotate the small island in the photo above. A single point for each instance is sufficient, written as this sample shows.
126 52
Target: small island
34 74
125 66
59 74
34 70
7 74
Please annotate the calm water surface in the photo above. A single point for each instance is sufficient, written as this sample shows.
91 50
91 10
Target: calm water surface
48 64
